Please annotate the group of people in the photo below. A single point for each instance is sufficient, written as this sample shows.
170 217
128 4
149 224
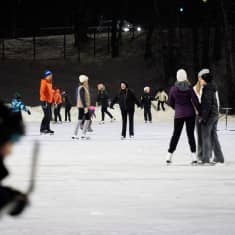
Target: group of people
196 106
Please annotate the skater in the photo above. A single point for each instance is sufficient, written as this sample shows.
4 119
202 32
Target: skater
12 201
46 98
67 106
17 106
146 102
184 101
57 105
103 101
127 100
162 98
209 120
83 104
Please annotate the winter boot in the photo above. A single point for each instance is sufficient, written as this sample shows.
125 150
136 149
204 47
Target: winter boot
169 158
194 158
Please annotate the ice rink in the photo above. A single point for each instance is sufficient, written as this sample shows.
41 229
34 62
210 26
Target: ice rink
106 186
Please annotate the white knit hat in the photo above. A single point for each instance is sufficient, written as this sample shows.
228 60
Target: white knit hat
147 88
181 75
203 72
83 78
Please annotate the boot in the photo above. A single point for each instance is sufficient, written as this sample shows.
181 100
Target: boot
169 158
194 158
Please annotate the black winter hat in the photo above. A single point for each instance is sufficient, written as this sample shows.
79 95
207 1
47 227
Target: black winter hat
125 82
207 77
11 126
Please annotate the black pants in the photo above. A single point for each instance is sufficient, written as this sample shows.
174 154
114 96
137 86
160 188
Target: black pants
57 113
104 110
178 126
82 115
45 125
67 113
161 104
125 114
147 114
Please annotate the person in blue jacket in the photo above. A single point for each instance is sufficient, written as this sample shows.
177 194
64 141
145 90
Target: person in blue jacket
17 106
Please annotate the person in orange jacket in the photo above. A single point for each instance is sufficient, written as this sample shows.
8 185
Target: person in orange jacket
57 105
46 98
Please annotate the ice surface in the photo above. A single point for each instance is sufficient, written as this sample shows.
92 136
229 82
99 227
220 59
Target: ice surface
106 186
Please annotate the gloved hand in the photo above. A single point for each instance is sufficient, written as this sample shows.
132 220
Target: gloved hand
86 110
19 204
29 113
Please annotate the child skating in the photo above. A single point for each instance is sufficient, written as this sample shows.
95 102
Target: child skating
17 106
57 105
146 104
162 99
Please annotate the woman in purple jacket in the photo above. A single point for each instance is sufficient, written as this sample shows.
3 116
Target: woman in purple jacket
184 101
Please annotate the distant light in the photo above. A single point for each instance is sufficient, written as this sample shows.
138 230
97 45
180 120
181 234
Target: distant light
126 29
205 1
139 29
181 9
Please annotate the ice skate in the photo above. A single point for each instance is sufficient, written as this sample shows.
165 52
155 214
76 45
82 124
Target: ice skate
123 137
194 159
169 159
132 136
101 122
85 137
75 137
112 120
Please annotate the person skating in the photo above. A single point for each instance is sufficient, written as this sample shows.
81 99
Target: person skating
92 116
184 101
17 106
57 99
162 98
83 104
12 201
146 103
67 106
127 100
103 101
46 98
209 120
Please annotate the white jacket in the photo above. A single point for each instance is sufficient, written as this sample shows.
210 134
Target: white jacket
162 96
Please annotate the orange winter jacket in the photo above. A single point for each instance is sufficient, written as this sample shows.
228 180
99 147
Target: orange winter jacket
57 99
46 92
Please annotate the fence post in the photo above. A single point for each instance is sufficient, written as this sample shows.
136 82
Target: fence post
108 46
94 43
34 46
3 49
64 44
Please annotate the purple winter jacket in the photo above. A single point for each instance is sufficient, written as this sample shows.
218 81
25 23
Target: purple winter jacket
183 100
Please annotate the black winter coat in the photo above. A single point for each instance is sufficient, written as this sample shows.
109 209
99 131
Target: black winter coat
146 100
103 99
209 104
127 100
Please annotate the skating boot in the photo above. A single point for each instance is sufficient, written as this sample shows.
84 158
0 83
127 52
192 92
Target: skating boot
194 159
123 137
113 119
75 137
84 137
169 159
101 122
51 132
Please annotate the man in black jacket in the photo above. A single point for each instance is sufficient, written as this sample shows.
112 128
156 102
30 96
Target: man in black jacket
127 100
12 201
210 117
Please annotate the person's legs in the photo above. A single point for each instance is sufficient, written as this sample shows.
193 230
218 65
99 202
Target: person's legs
131 123
43 123
219 157
158 105
178 126
206 141
199 139
108 113
86 124
80 119
69 114
145 114
58 112
163 107
48 117
150 114
102 113
190 127
124 122
55 113
66 114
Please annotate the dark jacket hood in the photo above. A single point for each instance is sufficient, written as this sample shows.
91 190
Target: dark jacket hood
183 86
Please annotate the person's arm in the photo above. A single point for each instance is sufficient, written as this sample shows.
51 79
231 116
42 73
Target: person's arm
218 100
171 100
195 101
137 102
114 101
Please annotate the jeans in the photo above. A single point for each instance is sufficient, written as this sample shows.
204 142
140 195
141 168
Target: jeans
210 141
